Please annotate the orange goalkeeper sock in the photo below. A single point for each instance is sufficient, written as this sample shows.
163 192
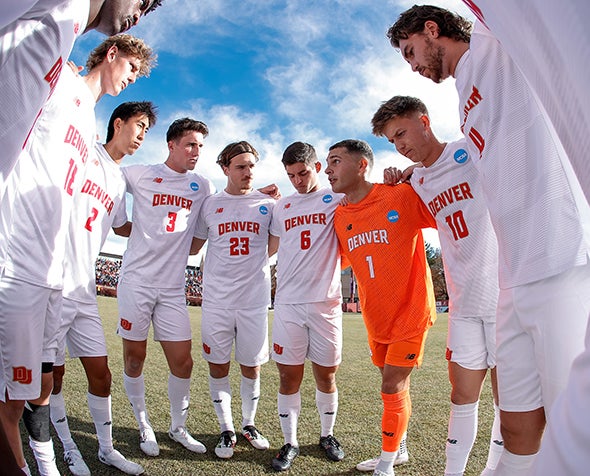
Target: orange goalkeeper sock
394 422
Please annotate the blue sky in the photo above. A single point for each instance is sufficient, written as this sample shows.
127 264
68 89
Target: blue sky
274 72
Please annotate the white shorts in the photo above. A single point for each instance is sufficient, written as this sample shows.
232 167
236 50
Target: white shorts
471 342
81 330
165 308
312 330
249 328
539 331
29 319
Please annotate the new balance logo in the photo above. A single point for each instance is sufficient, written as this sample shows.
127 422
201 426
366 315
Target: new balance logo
217 401
22 375
125 324
421 181
283 415
107 423
61 420
329 413
452 442
410 356
219 210
349 227
277 349
158 180
287 205
498 442
206 348
389 434
185 409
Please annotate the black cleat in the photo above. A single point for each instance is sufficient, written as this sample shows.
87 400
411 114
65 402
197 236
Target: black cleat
332 448
285 457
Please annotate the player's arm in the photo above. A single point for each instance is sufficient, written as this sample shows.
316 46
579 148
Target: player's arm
196 245
123 230
273 244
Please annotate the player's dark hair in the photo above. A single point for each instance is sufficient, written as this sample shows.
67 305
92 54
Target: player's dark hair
181 126
412 21
299 152
127 110
232 150
397 106
155 4
357 147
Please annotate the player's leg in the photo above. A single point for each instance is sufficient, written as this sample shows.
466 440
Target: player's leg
325 352
251 353
289 350
173 330
23 310
136 306
36 414
548 345
467 357
217 334
496 439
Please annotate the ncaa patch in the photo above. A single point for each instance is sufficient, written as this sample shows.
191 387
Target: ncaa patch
327 198
194 186
263 209
461 156
393 216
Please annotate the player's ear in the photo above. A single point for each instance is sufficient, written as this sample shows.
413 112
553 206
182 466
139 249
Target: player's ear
425 120
431 28
112 53
363 165
318 166
117 124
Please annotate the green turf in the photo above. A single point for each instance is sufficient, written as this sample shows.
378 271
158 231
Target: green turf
357 427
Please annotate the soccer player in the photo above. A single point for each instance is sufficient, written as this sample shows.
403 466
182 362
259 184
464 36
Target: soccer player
97 201
448 183
308 301
380 234
34 223
529 185
167 198
236 291
36 42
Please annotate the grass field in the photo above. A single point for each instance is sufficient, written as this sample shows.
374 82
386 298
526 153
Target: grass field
357 427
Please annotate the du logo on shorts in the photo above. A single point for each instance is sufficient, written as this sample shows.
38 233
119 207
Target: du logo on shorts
194 186
393 216
263 209
461 156
327 198
22 375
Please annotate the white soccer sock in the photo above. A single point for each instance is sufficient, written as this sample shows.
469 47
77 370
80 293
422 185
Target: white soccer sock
135 389
179 390
45 457
386 461
220 391
327 405
250 393
25 469
514 465
461 436
496 442
289 407
59 419
100 411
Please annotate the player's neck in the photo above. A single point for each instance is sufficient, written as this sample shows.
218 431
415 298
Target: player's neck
435 153
237 191
360 192
93 82
113 152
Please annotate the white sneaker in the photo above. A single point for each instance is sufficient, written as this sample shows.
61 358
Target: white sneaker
225 447
76 463
116 459
378 472
368 465
258 441
147 442
183 437
402 456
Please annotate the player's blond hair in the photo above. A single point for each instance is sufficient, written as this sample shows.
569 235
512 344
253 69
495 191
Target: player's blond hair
128 45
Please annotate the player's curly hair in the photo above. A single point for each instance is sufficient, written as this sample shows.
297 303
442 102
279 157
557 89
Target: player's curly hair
180 127
299 152
412 21
397 106
128 45
232 150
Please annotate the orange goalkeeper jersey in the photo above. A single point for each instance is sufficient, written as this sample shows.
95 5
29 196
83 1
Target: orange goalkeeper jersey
381 237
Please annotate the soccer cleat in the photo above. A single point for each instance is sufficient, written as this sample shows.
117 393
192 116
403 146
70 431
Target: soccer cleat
180 435
255 438
378 472
368 465
116 459
148 443
76 463
332 448
285 457
402 455
225 447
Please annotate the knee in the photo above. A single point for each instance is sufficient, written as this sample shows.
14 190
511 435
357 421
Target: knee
100 384
326 383
460 396
58 377
183 367
134 363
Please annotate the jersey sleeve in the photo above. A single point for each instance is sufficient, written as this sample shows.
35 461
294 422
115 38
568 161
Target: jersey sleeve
201 229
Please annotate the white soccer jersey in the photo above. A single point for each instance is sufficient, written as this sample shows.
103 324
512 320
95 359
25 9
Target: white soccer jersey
166 206
96 202
535 203
236 272
34 222
308 262
451 190
33 50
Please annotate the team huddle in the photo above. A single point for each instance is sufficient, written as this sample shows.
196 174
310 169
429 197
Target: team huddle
510 212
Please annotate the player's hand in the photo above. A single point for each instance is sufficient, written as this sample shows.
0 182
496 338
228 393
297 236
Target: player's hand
75 68
271 190
344 201
392 176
